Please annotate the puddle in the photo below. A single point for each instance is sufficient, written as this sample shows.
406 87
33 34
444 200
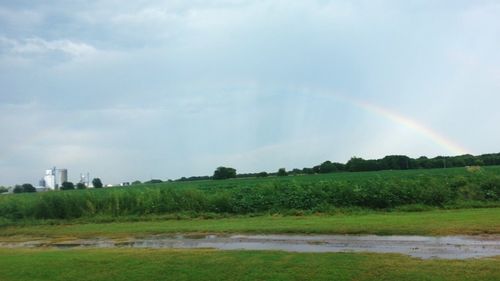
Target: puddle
446 247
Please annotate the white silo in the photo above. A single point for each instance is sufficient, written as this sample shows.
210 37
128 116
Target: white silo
50 179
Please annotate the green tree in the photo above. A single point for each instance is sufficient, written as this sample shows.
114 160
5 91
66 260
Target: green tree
262 175
327 167
18 189
3 189
154 181
224 173
359 164
97 183
308 171
67 185
80 185
282 172
28 187
395 162
136 182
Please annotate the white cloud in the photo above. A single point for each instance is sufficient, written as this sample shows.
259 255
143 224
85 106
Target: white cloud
38 46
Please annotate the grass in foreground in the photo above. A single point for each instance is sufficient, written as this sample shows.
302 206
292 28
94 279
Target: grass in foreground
126 264
436 222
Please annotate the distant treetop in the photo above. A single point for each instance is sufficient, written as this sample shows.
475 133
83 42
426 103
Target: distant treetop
224 173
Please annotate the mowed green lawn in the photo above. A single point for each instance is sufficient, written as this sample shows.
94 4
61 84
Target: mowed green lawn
143 264
436 222
163 264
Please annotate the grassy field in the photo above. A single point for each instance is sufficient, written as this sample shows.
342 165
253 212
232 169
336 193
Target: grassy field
343 203
124 264
437 222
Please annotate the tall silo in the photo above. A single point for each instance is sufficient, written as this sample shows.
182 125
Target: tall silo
63 175
50 179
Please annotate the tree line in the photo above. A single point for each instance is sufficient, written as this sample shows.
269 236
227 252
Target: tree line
67 185
357 164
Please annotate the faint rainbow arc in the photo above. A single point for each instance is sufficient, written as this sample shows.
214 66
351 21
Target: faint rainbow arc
405 121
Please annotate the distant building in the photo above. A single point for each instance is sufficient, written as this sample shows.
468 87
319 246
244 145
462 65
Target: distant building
63 175
50 178
53 178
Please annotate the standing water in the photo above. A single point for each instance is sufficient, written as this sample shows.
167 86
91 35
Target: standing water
447 247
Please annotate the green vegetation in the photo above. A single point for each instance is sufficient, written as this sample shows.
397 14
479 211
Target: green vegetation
386 190
25 188
414 202
124 264
390 162
222 173
437 222
67 185
281 172
402 162
97 183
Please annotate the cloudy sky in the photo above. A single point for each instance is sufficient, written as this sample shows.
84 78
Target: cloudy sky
164 89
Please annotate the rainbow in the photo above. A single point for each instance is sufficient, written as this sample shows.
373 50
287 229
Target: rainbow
398 118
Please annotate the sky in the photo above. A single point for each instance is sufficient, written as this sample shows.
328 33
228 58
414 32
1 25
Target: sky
134 90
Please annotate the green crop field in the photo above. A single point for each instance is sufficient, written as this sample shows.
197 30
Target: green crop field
383 190
354 177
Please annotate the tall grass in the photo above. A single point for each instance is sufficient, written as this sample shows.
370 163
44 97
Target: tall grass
375 190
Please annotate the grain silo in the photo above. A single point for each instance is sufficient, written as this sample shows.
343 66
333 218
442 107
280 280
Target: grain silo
63 175
50 178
